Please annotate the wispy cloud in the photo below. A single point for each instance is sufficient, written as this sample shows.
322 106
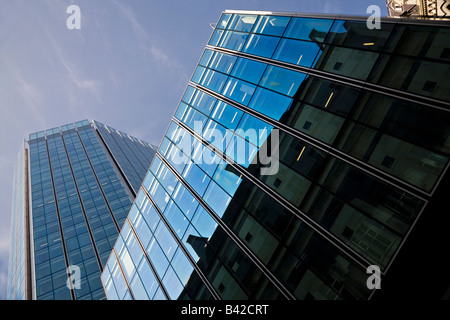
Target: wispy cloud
146 43
31 95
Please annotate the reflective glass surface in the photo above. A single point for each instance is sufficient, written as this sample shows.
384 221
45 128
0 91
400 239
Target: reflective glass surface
353 166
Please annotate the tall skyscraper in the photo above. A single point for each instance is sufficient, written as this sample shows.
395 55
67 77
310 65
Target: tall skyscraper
73 188
305 160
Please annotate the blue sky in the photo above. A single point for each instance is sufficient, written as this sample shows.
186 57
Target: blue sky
127 67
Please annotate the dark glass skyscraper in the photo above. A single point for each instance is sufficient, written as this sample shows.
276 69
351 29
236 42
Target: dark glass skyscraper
73 188
305 149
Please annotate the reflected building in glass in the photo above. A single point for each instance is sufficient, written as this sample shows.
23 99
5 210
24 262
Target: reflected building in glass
356 125
73 188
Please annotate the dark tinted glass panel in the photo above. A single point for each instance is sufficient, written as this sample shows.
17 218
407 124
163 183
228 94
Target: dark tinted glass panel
355 34
308 29
421 41
427 78
418 124
347 62
327 94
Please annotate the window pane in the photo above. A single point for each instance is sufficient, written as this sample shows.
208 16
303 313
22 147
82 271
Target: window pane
227 115
203 102
242 22
271 25
238 90
223 21
206 56
248 70
420 41
417 76
270 103
315 122
308 29
215 37
233 40
347 62
413 164
282 80
355 34
222 62
213 80
296 52
260 45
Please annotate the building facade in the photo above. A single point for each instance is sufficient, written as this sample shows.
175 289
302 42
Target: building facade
305 149
424 9
73 188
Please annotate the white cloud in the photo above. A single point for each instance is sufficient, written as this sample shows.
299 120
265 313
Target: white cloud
146 43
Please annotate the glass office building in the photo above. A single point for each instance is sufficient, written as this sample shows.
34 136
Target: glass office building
304 149
73 188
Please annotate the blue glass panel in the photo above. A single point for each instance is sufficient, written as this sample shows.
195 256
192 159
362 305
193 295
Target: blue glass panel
227 115
253 129
148 278
159 195
157 257
167 179
296 52
203 102
166 241
177 158
271 25
206 159
142 230
185 200
176 219
151 216
270 103
196 77
282 80
222 62
261 45
182 266
204 223
238 90
172 284
188 93
206 56
213 80
217 198
196 178
215 37
241 151
180 111
308 29
223 21
233 40
242 22
138 290
194 120
248 70
227 178
216 134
